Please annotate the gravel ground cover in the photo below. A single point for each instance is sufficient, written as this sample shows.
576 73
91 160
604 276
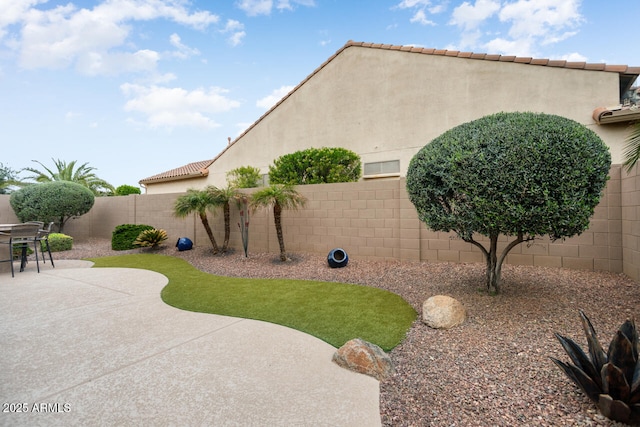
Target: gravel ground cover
494 370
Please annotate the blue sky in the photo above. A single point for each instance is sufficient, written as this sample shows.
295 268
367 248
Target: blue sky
135 88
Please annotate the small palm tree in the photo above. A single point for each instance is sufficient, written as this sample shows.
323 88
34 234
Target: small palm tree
82 175
198 201
280 197
223 197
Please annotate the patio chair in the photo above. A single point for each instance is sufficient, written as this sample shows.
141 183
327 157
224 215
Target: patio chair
5 239
20 237
43 240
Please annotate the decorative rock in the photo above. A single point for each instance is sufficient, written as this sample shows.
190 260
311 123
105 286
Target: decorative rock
443 312
365 358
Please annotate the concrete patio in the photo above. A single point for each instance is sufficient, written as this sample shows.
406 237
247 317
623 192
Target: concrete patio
83 346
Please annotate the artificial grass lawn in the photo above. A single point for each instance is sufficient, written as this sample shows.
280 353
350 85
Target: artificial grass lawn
333 312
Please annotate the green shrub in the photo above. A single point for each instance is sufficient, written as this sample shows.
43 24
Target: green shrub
244 177
124 235
17 251
150 238
316 166
59 242
125 190
56 201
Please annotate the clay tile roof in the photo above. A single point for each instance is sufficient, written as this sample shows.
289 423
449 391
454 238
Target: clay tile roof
594 67
191 170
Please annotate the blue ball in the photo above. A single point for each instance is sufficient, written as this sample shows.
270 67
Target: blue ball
184 244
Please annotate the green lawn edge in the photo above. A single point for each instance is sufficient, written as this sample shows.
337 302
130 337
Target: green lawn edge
333 312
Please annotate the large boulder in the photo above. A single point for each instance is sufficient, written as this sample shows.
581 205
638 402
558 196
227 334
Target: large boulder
443 312
364 357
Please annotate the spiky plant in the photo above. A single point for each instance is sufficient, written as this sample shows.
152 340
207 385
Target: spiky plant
150 238
611 380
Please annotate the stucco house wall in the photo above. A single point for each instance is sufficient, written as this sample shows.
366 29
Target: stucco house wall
386 102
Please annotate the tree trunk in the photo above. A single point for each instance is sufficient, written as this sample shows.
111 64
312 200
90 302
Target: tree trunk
493 271
277 219
205 223
494 263
227 226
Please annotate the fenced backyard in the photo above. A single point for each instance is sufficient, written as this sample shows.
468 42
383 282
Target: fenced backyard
375 220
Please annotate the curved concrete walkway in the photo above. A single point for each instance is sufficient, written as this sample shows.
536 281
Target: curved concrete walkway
82 346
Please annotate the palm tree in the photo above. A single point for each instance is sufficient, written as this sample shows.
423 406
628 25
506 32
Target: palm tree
8 179
82 175
632 149
280 197
198 201
223 197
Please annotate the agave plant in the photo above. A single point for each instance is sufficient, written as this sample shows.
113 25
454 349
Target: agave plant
150 238
612 379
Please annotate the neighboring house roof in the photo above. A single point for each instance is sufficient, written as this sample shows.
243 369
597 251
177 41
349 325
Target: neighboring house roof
191 170
627 76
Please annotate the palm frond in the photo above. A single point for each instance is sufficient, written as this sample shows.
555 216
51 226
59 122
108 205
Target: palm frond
632 149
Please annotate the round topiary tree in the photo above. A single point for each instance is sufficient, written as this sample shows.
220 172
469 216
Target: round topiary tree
55 201
316 166
513 174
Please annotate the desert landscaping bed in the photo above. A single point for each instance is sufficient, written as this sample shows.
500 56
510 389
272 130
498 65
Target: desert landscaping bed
494 370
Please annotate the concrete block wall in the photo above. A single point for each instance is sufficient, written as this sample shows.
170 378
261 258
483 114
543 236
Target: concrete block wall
109 212
630 223
376 220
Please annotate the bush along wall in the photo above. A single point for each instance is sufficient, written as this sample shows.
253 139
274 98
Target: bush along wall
124 235
58 242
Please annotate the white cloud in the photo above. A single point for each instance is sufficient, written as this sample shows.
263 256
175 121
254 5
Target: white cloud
236 38
94 63
183 51
93 40
408 4
419 10
520 47
272 99
551 39
536 23
541 18
236 32
166 107
421 18
264 7
529 24
574 57
286 4
158 79
256 7
470 16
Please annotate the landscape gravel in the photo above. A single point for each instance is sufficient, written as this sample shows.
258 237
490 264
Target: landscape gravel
494 370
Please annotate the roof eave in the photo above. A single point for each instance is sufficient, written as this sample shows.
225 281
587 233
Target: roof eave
603 115
202 173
